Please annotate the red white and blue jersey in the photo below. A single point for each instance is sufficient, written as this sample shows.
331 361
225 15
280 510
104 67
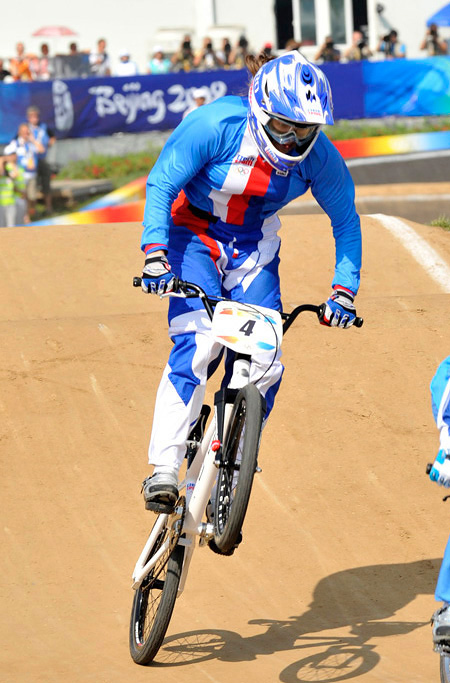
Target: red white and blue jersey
213 161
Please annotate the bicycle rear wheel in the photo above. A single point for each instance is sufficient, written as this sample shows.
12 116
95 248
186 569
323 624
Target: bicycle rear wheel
235 477
153 605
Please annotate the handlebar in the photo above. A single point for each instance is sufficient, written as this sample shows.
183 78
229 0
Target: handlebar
189 290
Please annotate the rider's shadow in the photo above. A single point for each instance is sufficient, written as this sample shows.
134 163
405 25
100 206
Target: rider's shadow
363 598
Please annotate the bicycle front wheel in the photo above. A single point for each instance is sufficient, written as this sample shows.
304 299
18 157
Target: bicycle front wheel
152 609
445 668
239 462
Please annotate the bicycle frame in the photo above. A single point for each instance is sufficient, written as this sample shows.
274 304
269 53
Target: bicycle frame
198 482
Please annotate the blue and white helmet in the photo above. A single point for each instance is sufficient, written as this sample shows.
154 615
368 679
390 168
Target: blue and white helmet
292 90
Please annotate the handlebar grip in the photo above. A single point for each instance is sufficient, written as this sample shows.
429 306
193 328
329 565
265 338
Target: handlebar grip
178 284
359 322
429 467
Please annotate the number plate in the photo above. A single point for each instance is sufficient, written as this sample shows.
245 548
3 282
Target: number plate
247 328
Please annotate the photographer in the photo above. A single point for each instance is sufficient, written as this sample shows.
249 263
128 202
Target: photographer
207 58
432 43
328 52
391 46
183 60
358 49
239 54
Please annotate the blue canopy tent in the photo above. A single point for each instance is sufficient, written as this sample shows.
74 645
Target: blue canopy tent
441 17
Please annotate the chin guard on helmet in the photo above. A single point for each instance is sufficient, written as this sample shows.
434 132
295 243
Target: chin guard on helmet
294 91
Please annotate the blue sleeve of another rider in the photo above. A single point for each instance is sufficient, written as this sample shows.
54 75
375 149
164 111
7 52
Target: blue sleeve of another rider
333 188
192 144
440 393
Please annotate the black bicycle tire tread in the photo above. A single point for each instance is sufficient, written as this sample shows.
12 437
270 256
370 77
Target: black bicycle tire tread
146 653
227 538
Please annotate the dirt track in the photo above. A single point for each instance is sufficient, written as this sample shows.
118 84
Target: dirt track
342 543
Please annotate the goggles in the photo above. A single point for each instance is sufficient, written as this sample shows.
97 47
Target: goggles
287 131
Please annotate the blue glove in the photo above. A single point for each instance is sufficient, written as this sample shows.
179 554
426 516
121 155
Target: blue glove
156 276
339 310
440 472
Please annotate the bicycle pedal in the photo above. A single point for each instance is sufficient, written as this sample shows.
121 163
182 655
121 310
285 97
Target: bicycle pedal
160 508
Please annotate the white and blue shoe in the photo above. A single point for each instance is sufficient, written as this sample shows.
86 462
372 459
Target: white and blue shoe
440 622
161 491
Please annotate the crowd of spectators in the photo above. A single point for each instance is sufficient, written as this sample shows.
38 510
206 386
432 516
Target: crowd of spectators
76 63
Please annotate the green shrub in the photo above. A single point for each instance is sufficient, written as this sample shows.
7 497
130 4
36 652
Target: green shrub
442 222
119 170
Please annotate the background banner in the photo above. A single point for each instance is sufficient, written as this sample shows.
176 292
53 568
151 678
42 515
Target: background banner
93 107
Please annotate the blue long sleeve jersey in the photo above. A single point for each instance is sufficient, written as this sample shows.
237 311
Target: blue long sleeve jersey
440 401
213 158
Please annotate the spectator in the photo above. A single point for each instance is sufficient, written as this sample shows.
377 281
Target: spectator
20 64
391 47
224 53
159 63
207 59
42 67
359 49
12 192
433 43
45 137
267 50
5 75
292 44
20 197
99 60
7 201
26 148
126 67
183 59
200 97
75 64
239 54
328 52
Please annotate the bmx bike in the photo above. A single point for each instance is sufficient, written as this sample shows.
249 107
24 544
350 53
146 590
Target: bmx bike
221 461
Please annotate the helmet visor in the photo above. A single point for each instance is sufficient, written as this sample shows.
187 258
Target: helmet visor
287 131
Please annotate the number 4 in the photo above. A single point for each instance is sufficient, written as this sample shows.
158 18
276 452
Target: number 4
247 328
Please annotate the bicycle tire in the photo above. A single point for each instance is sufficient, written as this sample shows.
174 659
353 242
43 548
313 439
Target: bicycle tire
235 476
152 608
